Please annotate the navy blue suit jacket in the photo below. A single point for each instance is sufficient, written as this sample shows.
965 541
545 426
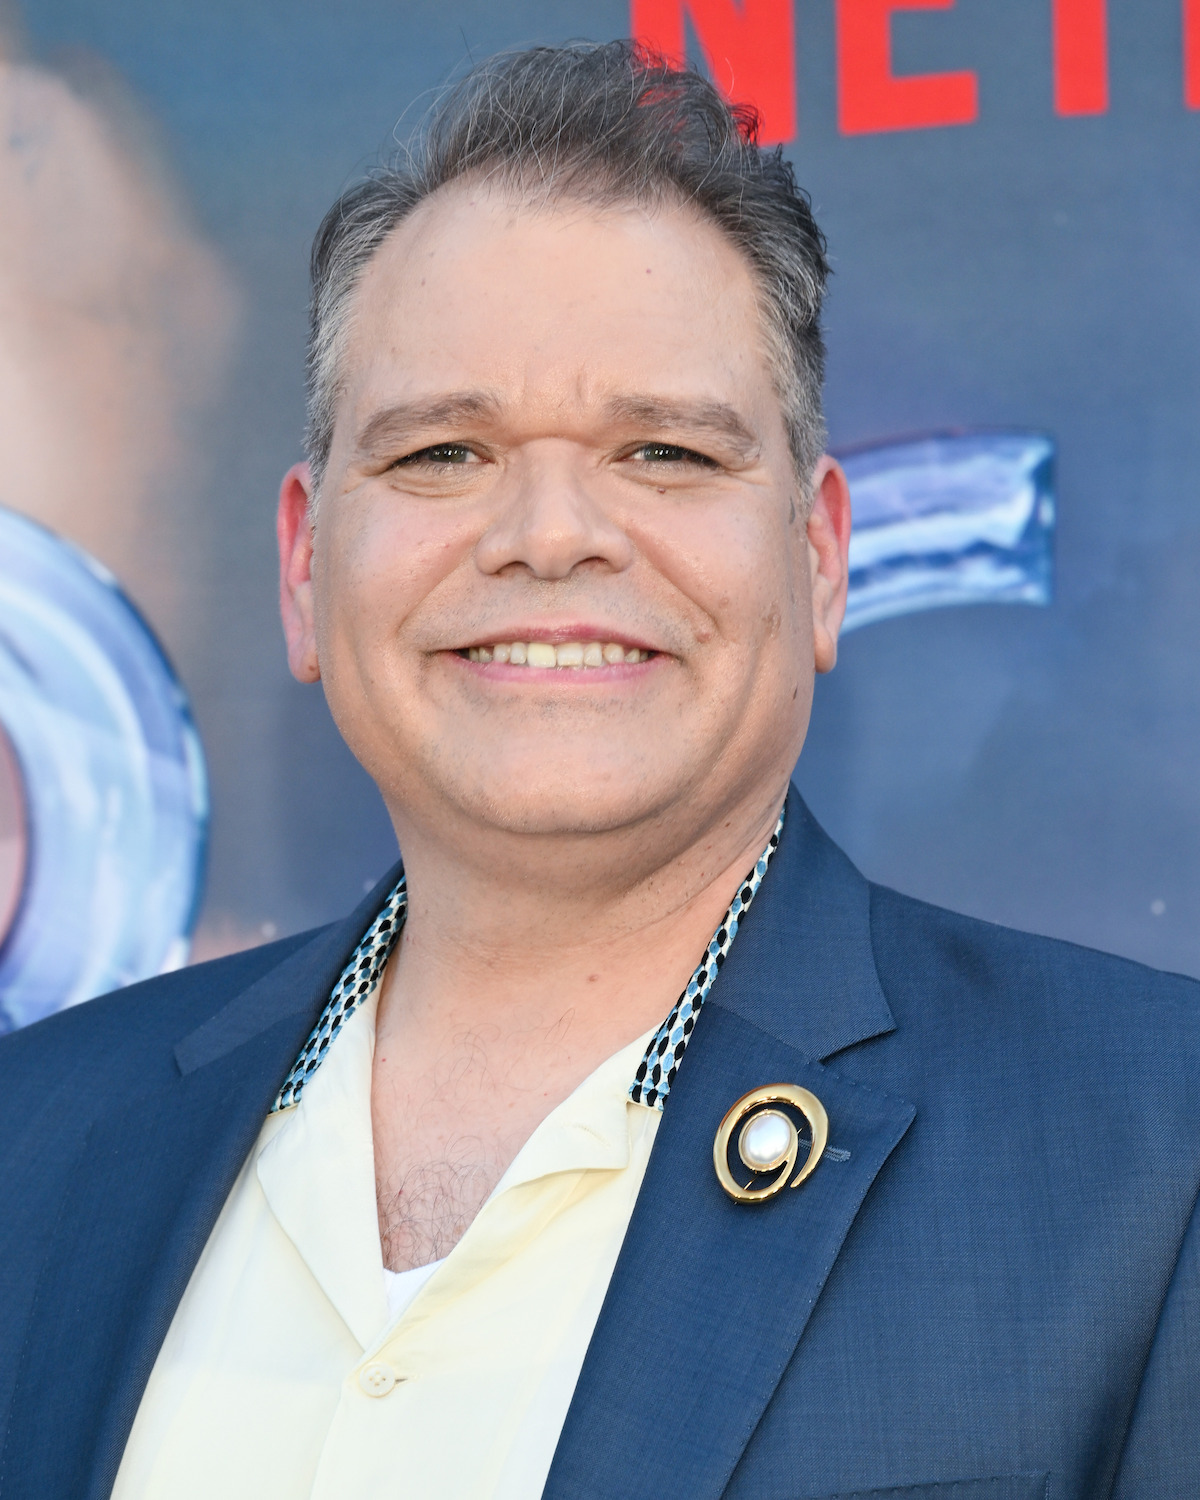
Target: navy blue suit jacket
994 1296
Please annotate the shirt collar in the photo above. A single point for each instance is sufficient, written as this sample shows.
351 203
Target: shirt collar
660 1062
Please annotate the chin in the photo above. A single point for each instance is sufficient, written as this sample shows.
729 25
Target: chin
564 795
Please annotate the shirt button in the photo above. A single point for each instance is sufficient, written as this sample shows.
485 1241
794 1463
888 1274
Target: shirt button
377 1379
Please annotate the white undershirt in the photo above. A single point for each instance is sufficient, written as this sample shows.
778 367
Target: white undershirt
402 1286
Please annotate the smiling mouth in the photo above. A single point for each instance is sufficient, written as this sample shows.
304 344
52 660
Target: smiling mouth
577 655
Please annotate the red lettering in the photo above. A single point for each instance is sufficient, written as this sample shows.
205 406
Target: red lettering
871 97
1080 57
750 49
1191 53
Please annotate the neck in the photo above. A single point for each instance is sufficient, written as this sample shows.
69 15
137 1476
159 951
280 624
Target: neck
515 979
591 937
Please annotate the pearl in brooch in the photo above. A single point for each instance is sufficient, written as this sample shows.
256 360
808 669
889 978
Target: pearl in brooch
766 1140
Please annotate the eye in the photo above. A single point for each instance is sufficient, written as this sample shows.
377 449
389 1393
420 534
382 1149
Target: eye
440 456
670 453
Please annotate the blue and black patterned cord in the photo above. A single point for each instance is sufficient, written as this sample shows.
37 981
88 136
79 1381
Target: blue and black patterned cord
657 1069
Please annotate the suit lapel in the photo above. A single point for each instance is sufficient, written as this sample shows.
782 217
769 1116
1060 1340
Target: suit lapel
710 1298
145 1192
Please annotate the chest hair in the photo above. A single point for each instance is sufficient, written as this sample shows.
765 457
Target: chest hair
426 1207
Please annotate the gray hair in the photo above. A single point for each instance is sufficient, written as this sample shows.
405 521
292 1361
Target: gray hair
607 125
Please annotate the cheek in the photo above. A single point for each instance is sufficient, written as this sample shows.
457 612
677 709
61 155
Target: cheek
377 563
734 562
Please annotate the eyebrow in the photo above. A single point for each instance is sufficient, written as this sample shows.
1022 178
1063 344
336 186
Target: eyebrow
395 425
715 418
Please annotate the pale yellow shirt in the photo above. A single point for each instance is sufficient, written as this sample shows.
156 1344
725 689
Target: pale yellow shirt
282 1375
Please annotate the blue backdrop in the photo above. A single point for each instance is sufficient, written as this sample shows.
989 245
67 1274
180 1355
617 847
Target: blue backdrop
1028 271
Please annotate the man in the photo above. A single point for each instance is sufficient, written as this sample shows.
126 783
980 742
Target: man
464 1196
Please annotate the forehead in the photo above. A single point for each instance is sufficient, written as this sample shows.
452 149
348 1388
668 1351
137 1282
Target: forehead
563 301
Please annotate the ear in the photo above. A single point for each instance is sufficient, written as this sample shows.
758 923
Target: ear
294 531
829 558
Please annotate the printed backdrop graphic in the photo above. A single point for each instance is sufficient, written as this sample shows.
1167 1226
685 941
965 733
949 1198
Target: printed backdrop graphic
1009 191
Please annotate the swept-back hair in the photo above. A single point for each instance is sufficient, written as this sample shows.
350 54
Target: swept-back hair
605 125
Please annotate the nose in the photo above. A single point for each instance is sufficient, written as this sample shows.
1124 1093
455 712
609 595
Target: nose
551 522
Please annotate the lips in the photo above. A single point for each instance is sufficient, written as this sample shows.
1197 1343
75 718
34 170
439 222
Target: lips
573 655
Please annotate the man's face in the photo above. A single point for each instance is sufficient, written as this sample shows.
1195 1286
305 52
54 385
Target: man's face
559 440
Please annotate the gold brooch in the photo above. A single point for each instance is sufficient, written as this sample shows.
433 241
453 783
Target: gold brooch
769 1140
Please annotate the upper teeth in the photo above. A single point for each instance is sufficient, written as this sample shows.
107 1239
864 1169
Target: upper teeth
570 654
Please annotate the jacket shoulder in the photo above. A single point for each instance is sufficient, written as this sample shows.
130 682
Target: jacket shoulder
1024 982
121 1042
